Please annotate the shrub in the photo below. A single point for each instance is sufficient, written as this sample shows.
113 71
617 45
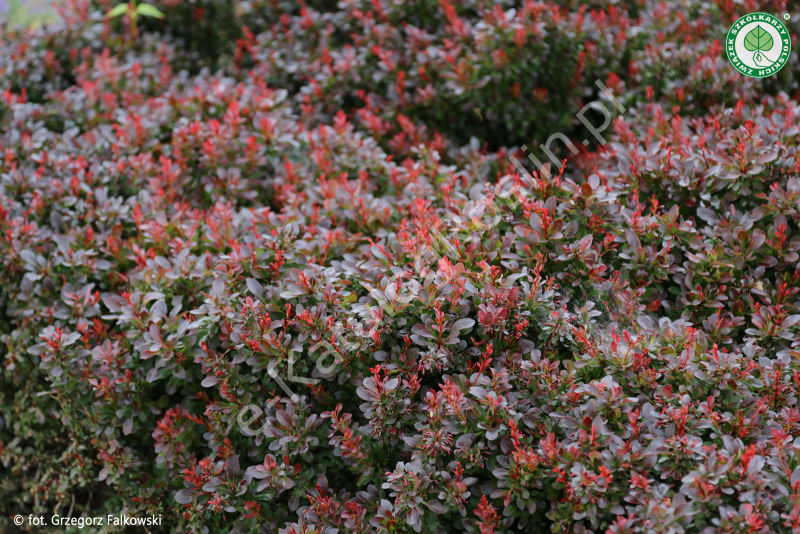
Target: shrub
612 348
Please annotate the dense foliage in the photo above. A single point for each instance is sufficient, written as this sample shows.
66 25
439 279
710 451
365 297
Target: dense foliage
250 191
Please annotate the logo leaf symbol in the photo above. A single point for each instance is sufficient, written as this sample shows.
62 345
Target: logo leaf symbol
758 39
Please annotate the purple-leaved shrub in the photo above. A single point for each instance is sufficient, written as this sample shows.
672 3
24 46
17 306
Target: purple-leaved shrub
247 192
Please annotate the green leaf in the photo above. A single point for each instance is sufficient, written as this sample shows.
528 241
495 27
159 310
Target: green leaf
758 39
117 11
149 11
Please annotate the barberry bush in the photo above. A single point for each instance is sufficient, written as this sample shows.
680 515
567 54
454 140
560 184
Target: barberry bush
267 267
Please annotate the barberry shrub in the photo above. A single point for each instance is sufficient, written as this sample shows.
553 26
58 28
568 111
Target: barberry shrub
289 281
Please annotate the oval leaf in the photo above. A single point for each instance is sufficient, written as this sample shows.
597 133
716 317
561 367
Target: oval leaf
149 11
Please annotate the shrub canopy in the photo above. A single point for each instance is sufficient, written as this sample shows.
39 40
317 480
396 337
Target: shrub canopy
248 192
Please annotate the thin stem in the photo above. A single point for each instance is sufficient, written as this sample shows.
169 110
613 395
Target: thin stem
133 15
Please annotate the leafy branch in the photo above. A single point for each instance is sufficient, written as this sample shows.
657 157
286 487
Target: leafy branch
134 11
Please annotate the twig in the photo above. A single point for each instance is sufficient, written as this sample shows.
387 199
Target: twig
71 506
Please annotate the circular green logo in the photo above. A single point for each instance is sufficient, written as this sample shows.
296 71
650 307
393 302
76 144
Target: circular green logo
758 45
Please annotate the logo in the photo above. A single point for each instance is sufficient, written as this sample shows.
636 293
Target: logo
758 45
